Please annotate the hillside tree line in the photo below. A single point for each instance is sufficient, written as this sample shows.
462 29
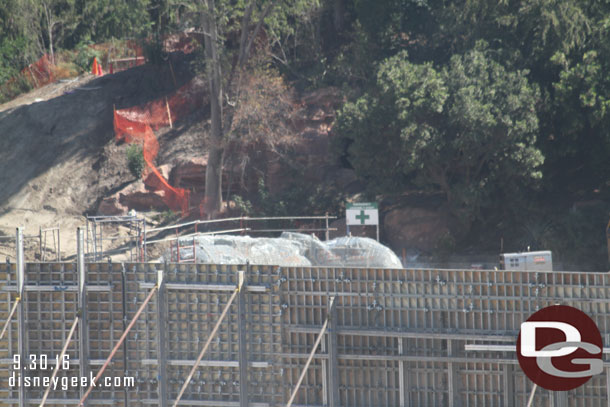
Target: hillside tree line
502 107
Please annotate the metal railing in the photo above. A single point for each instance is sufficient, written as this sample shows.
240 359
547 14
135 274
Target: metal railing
246 224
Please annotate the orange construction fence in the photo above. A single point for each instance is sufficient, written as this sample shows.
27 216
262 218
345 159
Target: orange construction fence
136 125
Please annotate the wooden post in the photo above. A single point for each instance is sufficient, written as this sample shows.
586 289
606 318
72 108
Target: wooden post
169 114
171 69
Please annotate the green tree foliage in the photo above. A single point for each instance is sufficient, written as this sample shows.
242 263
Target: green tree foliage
11 58
135 160
579 146
101 20
468 129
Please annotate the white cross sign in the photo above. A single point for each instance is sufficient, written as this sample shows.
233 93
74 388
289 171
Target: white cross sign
362 213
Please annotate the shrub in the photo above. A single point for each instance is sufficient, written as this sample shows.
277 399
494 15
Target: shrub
135 160
85 55
166 217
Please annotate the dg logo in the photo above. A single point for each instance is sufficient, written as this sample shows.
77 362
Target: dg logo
560 348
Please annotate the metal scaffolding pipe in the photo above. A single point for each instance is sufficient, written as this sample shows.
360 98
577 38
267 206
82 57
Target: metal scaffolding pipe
59 361
23 348
310 358
10 316
118 345
207 343
532 394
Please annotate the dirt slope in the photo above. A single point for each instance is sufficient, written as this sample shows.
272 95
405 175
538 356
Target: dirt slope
59 160
57 150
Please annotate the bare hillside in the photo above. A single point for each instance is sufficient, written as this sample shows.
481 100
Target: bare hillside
60 161
58 156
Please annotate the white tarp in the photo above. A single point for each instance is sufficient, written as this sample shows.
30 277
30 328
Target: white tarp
290 249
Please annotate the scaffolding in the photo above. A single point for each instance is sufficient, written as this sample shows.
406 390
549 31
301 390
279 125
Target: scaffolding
100 229
53 243
310 336
242 225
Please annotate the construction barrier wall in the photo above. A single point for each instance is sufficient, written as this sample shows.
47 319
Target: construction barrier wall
395 338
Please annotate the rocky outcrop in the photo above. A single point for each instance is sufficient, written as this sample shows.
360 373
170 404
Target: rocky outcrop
111 206
138 196
152 182
306 152
189 174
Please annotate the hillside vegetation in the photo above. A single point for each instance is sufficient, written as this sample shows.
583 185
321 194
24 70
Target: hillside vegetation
493 115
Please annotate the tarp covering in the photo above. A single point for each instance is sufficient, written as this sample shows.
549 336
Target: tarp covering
290 249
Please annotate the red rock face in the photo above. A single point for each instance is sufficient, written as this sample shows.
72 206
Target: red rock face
190 174
143 201
414 228
308 148
136 196
110 206
152 182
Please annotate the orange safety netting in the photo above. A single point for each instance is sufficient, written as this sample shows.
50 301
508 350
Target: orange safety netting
39 73
136 125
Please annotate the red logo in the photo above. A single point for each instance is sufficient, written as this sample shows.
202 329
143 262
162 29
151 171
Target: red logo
559 348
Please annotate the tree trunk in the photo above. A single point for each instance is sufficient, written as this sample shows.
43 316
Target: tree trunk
51 53
213 177
50 24
221 125
339 15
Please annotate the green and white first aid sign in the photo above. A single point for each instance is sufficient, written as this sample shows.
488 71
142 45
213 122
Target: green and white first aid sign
362 213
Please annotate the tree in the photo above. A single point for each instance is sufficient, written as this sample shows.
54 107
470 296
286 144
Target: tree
468 129
101 20
578 144
217 21
58 17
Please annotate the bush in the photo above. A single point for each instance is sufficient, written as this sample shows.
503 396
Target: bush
14 88
153 52
65 70
167 217
242 206
135 160
85 55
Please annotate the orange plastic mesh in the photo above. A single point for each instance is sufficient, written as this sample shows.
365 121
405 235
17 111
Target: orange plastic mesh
39 73
136 125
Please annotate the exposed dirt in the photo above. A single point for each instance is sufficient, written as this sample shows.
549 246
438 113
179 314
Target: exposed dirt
58 156
59 160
